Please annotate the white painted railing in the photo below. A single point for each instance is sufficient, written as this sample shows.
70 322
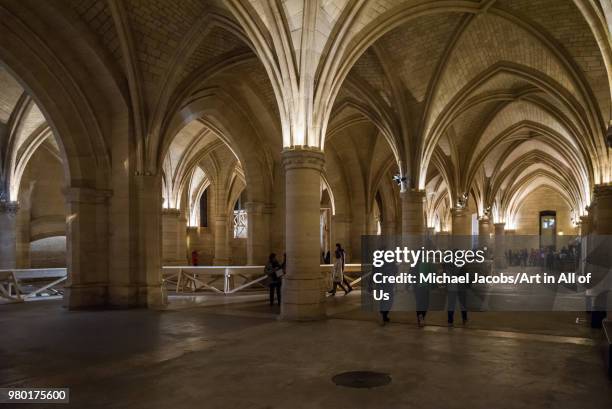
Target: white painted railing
219 279
199 278
42 279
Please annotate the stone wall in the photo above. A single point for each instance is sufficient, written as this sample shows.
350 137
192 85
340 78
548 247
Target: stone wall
201 240
239 252
543 198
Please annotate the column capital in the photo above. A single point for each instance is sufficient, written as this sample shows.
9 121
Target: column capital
459 211
413 195
300 158
171 212
255 207
86 195
499 225
9 207
604 190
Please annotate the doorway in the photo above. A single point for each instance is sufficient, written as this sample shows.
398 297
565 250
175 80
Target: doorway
548 229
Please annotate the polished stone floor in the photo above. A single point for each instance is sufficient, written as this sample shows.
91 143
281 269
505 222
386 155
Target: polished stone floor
237 355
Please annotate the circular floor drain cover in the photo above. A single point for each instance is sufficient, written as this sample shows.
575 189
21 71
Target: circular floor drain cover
361 379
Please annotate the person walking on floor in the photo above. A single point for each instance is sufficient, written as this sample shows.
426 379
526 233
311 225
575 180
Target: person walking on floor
344 279
338 271
454 292
385 305
421 289
274 271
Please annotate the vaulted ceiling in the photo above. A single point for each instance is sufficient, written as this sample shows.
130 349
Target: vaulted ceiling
476 98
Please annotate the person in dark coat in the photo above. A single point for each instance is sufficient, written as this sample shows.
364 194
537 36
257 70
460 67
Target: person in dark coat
274 272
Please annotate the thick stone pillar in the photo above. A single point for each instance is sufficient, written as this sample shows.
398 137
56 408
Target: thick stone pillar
341 232
222 247
371 225
149 284
500 245
602 226
87 249
22 231
183 258
413 216
169 235
8 237
484 231
303 288
602 218
585 231
258 236
174 238
389 228
462 222
585 225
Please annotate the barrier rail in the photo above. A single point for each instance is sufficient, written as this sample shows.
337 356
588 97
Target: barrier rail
199 278
219 279
12 282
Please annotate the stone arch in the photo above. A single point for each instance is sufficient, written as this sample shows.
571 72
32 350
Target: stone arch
590 146
231 126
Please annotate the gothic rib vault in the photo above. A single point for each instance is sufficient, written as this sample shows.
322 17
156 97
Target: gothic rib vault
138 107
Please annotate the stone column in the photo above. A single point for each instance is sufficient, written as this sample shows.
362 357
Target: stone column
413 216
462 222
341 232
585 225
8 237
87 251
602 217
484 231
303 287
222 247
170 236
500 245
602 226
182 256
22 232
584 232
371 225
258 235
174 247
149 284
389 228
585 229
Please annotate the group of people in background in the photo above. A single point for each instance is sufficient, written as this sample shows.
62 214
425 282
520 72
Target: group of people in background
543 257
